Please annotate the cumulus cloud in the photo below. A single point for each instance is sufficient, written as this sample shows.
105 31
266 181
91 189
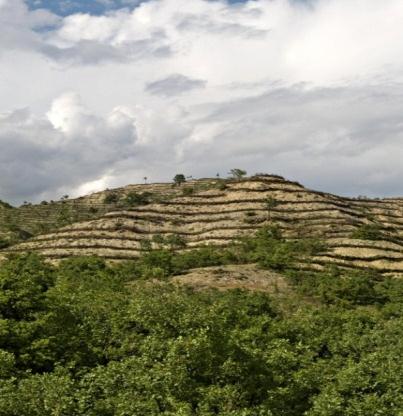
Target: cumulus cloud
310 90
69 147
347 139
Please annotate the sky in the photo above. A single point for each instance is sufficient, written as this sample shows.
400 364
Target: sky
94 7
98 94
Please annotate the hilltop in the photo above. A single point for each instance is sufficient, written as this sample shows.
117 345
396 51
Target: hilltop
121 224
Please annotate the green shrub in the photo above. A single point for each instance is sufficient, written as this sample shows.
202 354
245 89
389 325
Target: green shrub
135 198
111 198
4 243
188 191
221 185
5 204
368 232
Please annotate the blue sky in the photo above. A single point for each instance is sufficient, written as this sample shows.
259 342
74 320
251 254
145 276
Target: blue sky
66 7
96 7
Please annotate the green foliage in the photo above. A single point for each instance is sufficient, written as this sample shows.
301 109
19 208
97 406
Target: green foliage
64 216
179 178
111 198
334 286
24 315
270 203
175 241
5 204
221 185
237 173
88 338
171 241
4 242
135 198
271 251
188 191
368 232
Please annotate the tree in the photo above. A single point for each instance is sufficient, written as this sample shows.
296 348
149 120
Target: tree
270 204
179 178
237 173
64 217
24 282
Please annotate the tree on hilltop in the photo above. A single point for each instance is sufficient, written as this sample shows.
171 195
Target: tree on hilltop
237 173
179 178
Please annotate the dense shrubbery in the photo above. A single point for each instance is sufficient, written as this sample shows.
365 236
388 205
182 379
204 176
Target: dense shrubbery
4 242
368 232
86 338
5 204
111 198
135 198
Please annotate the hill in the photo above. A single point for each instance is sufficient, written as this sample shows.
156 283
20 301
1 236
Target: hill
359 233
232 305
32 219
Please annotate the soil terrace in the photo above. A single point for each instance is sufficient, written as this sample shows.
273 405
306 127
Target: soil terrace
218 211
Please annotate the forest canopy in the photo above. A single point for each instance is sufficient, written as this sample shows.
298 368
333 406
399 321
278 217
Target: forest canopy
89 338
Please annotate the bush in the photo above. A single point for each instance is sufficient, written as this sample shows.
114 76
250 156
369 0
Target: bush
135 199
111 198
5 204
4 243
368 232
221 185
188 191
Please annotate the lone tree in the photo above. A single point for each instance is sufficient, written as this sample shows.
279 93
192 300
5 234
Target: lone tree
270 203
237 173
179 179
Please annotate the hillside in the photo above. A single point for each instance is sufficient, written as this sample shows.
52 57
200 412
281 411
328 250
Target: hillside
28 220
229 307
359 233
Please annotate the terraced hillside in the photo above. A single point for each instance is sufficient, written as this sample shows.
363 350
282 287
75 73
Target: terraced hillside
31 219
359 233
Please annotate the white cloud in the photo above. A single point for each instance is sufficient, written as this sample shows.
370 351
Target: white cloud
309 90
42 157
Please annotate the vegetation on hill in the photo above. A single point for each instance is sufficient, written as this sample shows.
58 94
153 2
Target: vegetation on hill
123 223
88 338
19 224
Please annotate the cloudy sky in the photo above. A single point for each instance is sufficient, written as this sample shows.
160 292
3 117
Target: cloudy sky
99 93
